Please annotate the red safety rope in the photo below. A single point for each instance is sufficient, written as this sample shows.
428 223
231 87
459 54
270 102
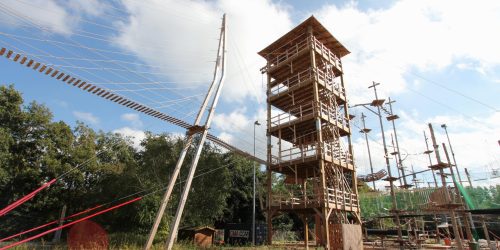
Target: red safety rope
70 224
48 224
27 197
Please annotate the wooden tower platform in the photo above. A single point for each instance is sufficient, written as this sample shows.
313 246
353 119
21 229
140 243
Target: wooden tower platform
309 136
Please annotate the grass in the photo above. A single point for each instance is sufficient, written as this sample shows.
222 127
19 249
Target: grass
132 241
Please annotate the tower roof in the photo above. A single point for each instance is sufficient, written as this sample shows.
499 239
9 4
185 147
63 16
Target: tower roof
319 31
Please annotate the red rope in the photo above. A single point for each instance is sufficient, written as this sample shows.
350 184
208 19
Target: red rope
27 197
48 224
70 224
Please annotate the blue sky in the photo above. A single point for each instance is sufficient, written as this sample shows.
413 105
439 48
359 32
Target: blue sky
438 59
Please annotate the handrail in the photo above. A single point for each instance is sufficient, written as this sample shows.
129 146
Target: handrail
331 55
284 85
306 75
291 197
340 197
311 150
306 109
285 117
283 56
298 47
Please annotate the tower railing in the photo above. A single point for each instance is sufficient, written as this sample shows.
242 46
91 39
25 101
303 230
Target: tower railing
330 113
306 43
291 198
330 83
314 150
327 53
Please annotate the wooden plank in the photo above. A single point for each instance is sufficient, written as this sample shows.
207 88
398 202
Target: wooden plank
91 88
82 84
101 92
96 90
42 68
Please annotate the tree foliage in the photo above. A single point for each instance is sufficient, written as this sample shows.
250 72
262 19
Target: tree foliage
101 168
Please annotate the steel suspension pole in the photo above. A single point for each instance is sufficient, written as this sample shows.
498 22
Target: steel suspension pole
180 209
187 144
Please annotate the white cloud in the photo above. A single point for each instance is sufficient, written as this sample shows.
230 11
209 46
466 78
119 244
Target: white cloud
187 39
237 128
133 118
135 135
88 7
46 13
385 43
472 141
235 121
86 117
55 16
426 35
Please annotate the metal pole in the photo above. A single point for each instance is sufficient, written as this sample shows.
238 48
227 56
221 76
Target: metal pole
365 131
452 153
187 145
256 123
393 196
175 225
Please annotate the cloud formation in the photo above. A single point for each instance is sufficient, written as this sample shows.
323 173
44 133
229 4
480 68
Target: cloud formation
186 42
135 135
60 17
86 117
423 35
133 118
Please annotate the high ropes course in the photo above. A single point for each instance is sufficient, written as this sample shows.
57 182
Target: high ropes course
56 71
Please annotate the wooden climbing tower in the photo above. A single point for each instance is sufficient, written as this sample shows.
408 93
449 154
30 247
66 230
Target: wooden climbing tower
309 137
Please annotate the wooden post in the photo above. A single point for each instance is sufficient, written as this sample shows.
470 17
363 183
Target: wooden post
486 233
365 131
458 240
394 208
466 216
57 235
468 177
428 152
306 232
398 155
